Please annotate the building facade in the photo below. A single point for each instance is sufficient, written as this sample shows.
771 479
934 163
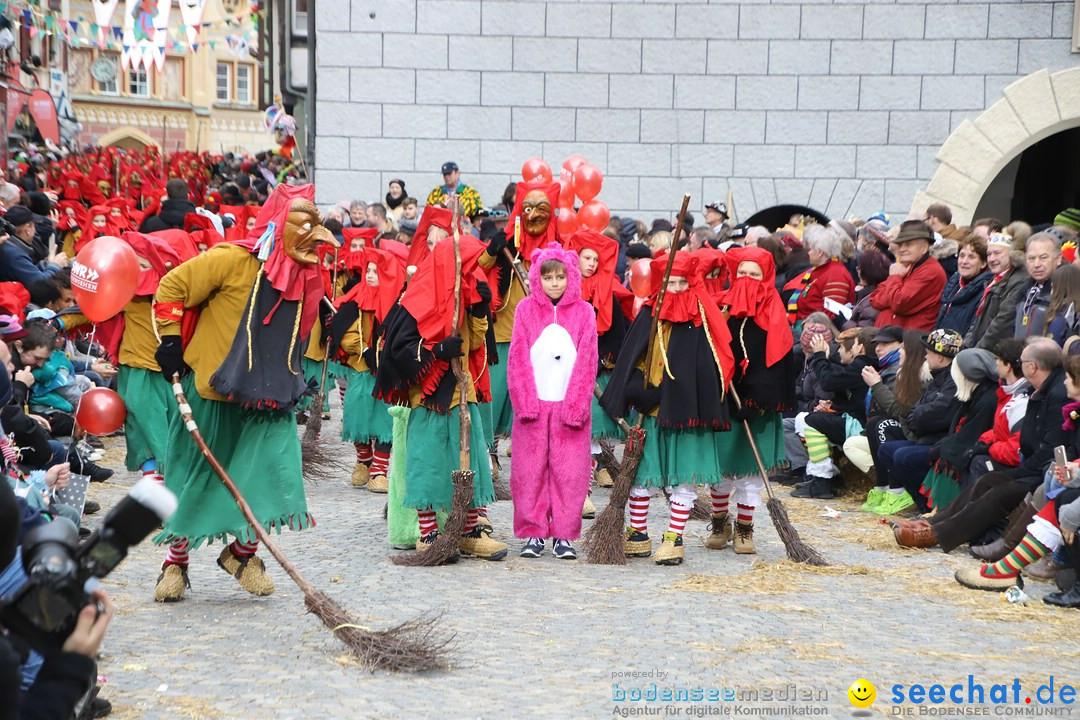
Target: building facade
848 108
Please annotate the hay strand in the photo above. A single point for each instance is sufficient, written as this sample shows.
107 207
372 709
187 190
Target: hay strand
603 541
445 547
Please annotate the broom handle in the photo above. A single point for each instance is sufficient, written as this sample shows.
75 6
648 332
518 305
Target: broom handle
519 269
465 421
245 509
663 285
326 356
753 443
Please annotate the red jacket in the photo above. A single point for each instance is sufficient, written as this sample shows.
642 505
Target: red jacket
1005 445
831 280
911 301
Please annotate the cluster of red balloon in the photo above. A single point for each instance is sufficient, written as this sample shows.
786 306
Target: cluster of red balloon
104 276
578 180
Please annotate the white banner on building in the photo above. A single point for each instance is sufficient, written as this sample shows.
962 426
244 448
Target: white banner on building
192 11
146 25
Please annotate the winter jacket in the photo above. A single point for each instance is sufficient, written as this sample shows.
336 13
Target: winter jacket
57 372
831 280
959 301
808 390
1004 437
1064 324
929 419
863 314
17 265
911 301
171 216
969 422
844 382
1041 430
945 252
884 402
996 319
1034 322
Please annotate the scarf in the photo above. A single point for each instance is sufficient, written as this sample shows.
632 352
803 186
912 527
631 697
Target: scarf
159 253
694 305
758 299
713 259
89 232
601 289
71 222
429 298
393 203
1070 413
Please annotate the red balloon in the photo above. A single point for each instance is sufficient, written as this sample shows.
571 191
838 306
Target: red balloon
101 411
567 222
536 170
566 194
587 182
594 215
573 162
641 277
104 276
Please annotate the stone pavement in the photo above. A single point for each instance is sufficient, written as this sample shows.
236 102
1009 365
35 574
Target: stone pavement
548 638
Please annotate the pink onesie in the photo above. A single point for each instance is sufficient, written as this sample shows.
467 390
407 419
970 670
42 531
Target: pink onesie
551 371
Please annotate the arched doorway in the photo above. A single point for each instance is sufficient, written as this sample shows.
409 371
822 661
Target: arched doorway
1032 110
127 138
1038 183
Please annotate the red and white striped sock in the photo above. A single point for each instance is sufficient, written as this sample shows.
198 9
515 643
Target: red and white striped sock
471 520
341 394
428 522
178 553
679 516
639 513
482 511
242 549
160 478
746 513
150 473
719 502
364 453
380 462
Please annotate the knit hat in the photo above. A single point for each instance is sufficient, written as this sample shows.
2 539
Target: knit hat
19 215
945 342
809 330
1069 218
977 364
637 251
10 329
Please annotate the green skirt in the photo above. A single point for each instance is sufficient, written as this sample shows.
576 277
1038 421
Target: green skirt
365 416
150 405
489 424
432 452
603 426
736 456
942 488
678 457
402 527
502 411
261 453
312 370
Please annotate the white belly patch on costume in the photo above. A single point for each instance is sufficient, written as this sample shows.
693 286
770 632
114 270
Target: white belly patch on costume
553 355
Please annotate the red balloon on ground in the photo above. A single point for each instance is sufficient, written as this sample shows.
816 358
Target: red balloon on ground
573 162
587 182
641 277
104 276
101 411
566 222
536 170
594 215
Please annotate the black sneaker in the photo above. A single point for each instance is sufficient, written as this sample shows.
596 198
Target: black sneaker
82 466
91 507
563 550
94 442
533 548
789 477
816 487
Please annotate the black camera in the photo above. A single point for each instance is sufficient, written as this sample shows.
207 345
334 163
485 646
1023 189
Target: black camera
6 228
62 573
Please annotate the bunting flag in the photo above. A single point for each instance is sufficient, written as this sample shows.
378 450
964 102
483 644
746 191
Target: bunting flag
192 12
103 13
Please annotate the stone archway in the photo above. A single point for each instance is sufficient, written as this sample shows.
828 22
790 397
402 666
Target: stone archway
1033 108
128 138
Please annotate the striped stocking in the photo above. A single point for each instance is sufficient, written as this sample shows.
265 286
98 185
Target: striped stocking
1027 552
679 516
639 513
243 549
178 553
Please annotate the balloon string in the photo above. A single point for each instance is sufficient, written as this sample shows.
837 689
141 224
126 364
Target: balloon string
89 352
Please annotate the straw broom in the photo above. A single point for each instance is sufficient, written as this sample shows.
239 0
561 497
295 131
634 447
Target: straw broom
796 549
445 547
314 423
413 646
603 542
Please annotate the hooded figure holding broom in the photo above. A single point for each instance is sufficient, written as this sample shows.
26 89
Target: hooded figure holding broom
257 301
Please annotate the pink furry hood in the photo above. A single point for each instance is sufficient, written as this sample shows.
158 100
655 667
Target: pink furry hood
569 258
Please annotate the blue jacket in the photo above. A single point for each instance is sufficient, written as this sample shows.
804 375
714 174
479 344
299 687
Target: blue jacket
15 264
958 304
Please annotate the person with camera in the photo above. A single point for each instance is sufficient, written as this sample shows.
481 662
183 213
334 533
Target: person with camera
17 231
68 672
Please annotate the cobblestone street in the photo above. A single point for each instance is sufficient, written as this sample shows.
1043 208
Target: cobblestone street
547 638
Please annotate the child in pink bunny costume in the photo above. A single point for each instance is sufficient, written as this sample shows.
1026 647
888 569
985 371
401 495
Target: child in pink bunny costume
551 372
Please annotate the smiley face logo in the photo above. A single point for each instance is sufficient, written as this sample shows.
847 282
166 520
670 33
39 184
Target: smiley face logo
862 693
